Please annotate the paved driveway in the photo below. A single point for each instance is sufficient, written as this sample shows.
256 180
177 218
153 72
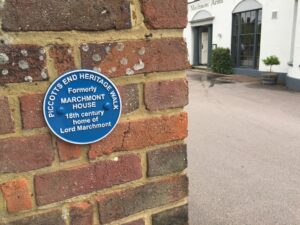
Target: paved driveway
244 154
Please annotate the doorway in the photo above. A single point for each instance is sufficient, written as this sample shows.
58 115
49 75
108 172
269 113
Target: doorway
202 45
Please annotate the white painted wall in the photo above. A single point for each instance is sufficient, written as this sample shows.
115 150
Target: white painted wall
294 71
276 34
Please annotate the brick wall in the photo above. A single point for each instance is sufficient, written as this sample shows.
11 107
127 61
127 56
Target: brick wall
136 175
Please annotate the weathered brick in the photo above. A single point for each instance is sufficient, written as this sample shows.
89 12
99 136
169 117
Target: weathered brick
135 57
21 63
25 153
60 185
142 133
130 97
32 111
167 14
64 184
166 94
57 15
16 195
81 214
62 57
122 204
113 142
176 216
7 124
167 160
67 151
118 171
48 218
136 222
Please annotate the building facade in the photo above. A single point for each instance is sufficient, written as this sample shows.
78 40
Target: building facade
252 30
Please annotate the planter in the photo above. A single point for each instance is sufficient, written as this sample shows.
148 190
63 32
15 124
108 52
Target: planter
269 78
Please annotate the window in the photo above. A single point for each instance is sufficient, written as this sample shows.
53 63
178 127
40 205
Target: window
246 33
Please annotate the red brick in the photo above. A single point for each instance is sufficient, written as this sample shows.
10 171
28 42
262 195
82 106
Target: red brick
67 151
136 222
155 131
7 124
64 184
130 97
135 57
122 204
58 15
166 94
142 133
53 217
81 214
16 195
112 143
22 63
167 14
32 111
118 171
25 153
61 185
175 216
167 160
62 57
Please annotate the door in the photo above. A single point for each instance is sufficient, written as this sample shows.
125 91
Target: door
204 48
202 45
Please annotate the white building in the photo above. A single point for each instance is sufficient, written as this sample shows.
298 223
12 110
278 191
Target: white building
252 30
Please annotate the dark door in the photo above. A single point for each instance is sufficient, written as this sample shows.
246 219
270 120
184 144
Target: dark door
202 45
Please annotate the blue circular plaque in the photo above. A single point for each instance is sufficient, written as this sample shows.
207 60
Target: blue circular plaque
82 107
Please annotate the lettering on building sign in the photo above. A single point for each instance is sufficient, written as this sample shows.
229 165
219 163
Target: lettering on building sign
82 107
205 3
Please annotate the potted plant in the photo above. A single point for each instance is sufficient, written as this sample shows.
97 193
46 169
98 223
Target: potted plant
270 77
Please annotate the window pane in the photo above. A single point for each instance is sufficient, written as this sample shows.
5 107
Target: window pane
259 21
247 62
235 25
243 18
259 28
249 26
259 15
249 50
253 17
257 63
257 51
247 39
258 39
248 17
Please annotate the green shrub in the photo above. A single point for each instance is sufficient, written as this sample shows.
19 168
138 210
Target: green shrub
271 61
221 61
